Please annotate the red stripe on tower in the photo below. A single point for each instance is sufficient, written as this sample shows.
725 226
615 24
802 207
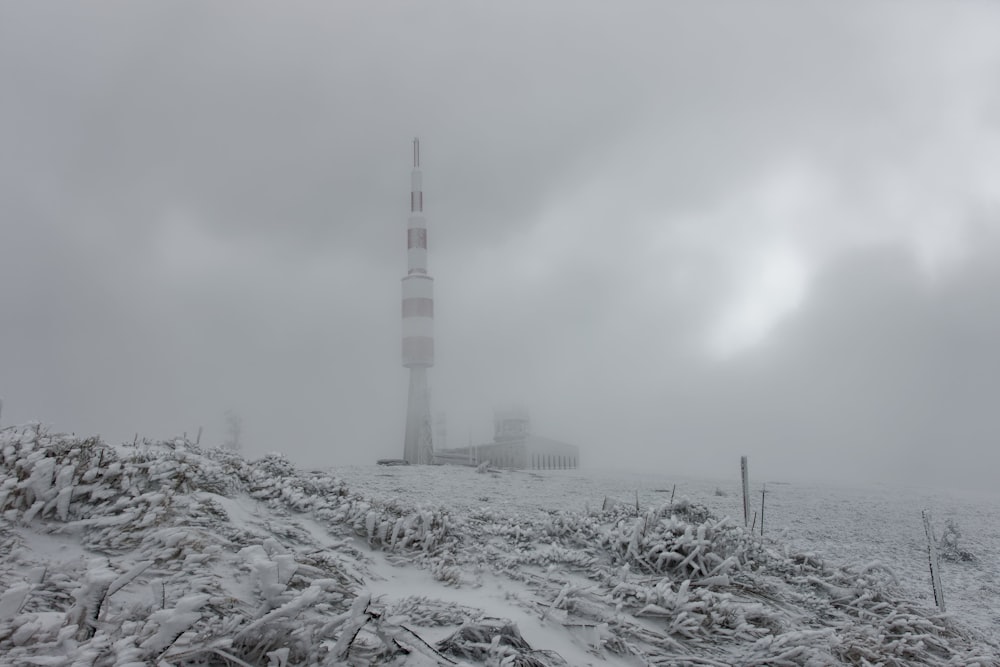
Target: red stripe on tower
416 238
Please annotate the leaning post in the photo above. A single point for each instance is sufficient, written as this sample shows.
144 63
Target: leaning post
932 559
746 491
763 492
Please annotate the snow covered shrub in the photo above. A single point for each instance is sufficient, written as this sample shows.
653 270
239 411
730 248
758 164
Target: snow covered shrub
157 508
430 612
39 472
666 544
949 546
485 638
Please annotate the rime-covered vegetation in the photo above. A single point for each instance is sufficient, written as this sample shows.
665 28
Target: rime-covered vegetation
164 553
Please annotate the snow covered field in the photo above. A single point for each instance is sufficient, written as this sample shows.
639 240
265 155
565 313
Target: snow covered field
169 554
841 524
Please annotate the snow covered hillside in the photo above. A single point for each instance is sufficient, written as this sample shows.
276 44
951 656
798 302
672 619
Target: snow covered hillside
169 554
840 524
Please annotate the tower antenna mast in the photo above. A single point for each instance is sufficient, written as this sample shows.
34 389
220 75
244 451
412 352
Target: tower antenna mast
418 325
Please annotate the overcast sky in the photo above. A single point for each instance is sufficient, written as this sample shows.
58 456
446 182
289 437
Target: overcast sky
676 232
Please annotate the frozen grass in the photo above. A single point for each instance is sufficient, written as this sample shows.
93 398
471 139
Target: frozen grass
165 553
842 524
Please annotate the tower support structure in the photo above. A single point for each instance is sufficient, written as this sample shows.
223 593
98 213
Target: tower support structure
418 445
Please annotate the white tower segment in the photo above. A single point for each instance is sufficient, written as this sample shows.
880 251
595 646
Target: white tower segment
418 324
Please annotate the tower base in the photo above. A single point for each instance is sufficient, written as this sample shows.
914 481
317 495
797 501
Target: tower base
418 443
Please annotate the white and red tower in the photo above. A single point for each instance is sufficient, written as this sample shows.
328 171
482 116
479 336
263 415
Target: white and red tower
418 325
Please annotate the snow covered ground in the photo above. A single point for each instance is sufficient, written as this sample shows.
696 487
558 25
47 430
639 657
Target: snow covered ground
168 554
841 524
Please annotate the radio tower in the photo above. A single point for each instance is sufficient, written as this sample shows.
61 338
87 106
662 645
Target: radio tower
418 325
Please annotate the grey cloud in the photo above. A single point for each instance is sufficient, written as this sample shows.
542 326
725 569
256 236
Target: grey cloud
882 375
203 208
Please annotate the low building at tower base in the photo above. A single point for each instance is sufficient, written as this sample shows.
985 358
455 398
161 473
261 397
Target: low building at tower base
514 448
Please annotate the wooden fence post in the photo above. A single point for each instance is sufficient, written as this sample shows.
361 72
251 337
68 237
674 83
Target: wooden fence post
746 491
763 492
932 560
